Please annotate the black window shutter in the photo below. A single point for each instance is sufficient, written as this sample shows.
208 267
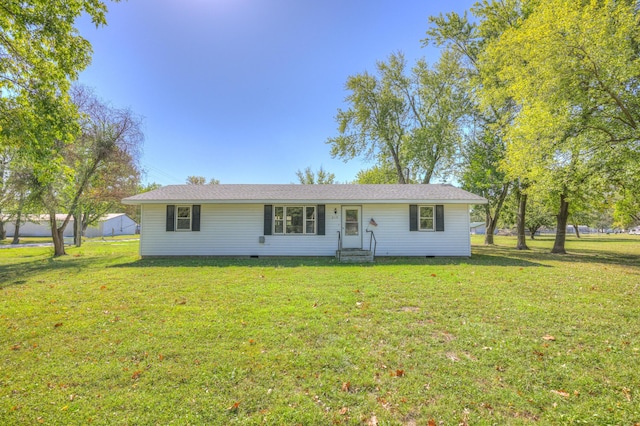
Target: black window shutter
439 217
195 218
171 218
413 217
320 219
268 218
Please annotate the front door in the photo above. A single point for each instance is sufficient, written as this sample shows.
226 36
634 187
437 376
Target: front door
351 227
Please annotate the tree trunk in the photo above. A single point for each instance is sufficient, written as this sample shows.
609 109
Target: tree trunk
16 229
533 231
398 166
522 207
490 225
77 228
58 236
492 222
3 232
561 229
577 230
427 176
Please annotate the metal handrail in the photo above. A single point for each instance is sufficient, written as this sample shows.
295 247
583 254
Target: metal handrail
339 245
375 241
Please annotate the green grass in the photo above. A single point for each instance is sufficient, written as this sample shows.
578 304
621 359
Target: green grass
47 240
27 240
506 337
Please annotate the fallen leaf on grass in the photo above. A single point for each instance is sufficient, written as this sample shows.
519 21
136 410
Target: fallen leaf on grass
103 287
234 407
627 393
58 324
548 338
373 421
346 386
397 373
136 374
431 422
561 393
344 410
16 347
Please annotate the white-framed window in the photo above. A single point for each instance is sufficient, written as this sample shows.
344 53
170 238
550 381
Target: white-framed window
183 218
426 218
289 220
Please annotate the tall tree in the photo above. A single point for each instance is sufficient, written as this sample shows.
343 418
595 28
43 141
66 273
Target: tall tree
486 145
574 67
108 136
319 177
41 53
407 118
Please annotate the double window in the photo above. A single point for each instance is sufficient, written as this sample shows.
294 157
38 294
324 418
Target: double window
294 220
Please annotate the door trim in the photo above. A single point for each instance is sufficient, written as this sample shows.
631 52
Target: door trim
351 242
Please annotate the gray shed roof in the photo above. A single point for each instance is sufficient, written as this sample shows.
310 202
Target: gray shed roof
295 193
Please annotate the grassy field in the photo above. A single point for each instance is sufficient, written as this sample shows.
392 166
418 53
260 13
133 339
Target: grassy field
47 240
505 337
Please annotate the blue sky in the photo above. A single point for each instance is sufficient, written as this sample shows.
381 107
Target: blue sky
246 91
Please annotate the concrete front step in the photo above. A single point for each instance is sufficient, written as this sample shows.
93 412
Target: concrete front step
354 256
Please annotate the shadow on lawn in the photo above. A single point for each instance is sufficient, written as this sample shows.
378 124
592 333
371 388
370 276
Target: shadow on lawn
19 273
584 255
297 262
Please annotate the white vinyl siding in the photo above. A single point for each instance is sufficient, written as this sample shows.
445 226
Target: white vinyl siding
234 230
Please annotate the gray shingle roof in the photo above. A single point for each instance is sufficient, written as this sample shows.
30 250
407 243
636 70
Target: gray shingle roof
294 193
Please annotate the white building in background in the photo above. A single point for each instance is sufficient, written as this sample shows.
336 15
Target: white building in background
111 224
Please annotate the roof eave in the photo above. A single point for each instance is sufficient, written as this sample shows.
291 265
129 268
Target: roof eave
304 201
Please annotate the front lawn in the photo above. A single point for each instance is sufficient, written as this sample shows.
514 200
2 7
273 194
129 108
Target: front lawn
506 337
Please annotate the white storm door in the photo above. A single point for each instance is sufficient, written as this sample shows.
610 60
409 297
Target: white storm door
351 227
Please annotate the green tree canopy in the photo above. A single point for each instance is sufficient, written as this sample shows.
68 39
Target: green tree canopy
41 53
573 69
201 180
407 118
320 177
